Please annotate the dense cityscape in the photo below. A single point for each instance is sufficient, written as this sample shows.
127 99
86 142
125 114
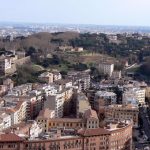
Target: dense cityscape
99 103
74 75
25 29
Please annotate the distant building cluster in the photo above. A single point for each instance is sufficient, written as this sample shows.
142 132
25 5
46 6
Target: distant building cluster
71 49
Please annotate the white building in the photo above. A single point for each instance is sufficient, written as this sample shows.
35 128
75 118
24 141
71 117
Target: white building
49 89
35 130
5 64
80 79
56 102
109 97
116 75
132 94
5 120
18 112
21 90
106 68
46 77
56 75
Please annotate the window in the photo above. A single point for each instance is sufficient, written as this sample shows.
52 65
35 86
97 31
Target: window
1 146
11 146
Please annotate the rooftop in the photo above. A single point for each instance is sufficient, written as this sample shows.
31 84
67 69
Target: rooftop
105 93
93 132
9 137
90 114
45 74
45 113
128 107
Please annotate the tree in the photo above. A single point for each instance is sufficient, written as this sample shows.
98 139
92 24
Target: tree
31 51
80 67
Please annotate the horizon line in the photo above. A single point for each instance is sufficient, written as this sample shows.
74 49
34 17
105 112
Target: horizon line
52 23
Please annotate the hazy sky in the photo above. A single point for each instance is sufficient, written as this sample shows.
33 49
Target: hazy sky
104 12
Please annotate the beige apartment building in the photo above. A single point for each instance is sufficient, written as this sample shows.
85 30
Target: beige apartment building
106 68
90 121
122 112
46 77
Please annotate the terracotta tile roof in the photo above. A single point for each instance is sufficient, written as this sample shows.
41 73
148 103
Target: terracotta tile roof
62 81
10 137
22 127
16 108
10 111
45 113
90 114
65 120
18 105
93 132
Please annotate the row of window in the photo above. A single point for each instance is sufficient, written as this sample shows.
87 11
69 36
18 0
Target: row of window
9 146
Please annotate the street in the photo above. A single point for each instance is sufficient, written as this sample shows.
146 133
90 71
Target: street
146 122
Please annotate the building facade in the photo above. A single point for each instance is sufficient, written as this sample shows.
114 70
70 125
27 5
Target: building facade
132 94
108 97
106 68
122 112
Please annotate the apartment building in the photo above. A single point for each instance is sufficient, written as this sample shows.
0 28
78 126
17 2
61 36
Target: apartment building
3 90
92 121
18 111
59 100
134 94
29 129
5 120
56 102
122 112
9 83
11 141
147 92
67 123
56 75
89 120
48 89
108 97
82 104
80 79
5 64
116 75
63 83
121 135
106 68
46 77
21 90
43 118
115 136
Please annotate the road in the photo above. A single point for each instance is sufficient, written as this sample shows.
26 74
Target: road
134 66
146 122
146 129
